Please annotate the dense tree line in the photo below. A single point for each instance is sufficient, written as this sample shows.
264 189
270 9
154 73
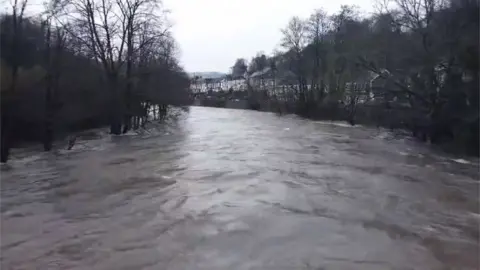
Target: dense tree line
85 63
413 65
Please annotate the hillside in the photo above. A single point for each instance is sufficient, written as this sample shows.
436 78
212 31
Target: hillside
212 74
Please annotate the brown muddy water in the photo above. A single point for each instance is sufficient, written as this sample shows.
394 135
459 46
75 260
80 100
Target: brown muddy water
231 189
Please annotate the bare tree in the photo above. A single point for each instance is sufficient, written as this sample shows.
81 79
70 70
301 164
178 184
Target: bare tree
294 41
294 35
52 59
317 27
432 59
110 29
139 17
99 27
15 30
18 12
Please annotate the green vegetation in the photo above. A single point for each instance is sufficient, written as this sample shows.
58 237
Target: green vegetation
82 64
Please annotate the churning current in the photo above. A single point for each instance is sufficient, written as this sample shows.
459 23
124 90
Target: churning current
232 189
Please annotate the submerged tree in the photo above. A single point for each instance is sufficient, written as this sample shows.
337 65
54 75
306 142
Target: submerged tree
12 37
95 63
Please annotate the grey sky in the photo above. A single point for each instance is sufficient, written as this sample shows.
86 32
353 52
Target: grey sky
213 33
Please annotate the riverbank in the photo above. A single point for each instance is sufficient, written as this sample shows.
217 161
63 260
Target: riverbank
98 130
391 116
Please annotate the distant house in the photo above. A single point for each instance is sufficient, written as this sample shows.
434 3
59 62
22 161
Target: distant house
239 76
262 78
267 78
380 84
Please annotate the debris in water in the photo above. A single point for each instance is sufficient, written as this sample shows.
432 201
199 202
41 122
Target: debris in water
71 142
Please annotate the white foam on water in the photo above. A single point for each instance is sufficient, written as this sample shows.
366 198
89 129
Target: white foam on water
28 159
338 124
382 135
475 215
341 124
461 161
130 133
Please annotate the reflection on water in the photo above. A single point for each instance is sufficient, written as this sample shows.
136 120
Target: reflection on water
232 189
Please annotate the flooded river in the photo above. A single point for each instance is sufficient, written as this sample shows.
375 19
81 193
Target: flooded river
232 189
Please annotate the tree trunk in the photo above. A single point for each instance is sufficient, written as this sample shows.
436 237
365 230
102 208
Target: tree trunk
145 114
115 110
128 92
6 139
5 131
116 124
5 146
155 112
136 122
127 121
48 124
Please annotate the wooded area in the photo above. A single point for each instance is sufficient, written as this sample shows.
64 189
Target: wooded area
81 64
413 65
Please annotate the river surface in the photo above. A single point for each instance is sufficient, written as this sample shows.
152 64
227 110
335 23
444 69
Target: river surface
231 189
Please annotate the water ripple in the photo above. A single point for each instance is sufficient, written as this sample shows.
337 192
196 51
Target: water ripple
232 189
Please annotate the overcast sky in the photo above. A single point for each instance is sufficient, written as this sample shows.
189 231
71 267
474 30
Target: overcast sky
213 33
